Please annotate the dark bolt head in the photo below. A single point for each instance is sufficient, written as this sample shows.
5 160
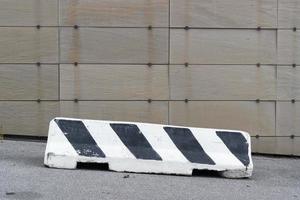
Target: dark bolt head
10 193
294 65
149 100
186 28
257 100
76 27
38 100
149 64
75 100
294 29
257 136
38 26
75 63
38 64
186 100
150 27
257 64
258 28
186 64
292 136
293 100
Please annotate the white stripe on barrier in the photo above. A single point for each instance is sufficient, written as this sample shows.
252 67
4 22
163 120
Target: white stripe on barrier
162 143
107 139
218 151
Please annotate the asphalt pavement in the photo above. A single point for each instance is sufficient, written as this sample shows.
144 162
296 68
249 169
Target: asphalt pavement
23 176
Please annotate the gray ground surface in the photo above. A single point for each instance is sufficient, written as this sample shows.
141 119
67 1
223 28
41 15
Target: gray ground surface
23 176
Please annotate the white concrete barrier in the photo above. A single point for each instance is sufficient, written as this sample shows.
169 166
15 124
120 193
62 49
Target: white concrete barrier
148 148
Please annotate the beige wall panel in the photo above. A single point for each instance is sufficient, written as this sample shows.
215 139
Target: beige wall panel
288 47
288 13
288 118
114 12
288 79
28 45
276 145
224 13
28 82
114 45
211 46
223 82
139 111
114 82
28 12
27 117
255 118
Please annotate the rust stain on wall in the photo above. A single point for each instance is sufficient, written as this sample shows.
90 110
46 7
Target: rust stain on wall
186 45
38 8
150 45
259 11
74 53
72 12
187 8
77 84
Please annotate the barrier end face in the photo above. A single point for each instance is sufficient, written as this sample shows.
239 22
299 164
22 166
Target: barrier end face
59 161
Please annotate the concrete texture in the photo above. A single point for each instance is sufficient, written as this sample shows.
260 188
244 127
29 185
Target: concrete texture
23 176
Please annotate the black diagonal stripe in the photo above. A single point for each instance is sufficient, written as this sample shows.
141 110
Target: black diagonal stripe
135 141
237 144
185 141
80 138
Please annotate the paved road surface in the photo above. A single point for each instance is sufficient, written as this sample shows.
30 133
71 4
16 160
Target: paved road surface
23 176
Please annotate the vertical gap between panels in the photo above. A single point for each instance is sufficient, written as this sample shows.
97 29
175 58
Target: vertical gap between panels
275 118
58 30
169 40
276 69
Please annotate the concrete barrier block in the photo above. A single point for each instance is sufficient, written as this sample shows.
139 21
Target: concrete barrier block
148 148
